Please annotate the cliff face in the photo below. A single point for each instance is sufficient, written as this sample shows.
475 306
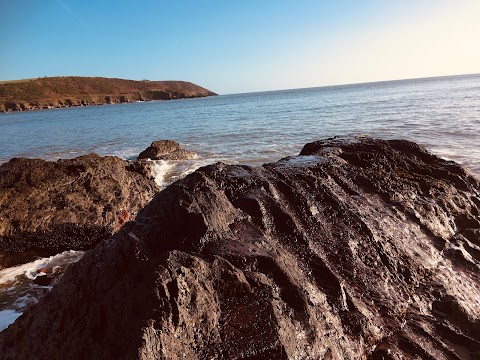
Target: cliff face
56 92
358 248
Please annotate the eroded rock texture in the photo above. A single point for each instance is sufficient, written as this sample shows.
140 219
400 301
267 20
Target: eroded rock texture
358 249
48 207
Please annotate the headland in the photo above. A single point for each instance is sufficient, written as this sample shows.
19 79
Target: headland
68 91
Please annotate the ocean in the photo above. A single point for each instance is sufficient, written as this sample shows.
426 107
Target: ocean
442 114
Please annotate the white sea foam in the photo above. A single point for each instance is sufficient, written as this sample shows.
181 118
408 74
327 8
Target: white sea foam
166 172
160 171
31 269
17 291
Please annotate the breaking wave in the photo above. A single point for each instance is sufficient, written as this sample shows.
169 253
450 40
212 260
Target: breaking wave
17 289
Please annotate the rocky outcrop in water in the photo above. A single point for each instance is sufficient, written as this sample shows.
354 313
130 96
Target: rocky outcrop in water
166 150
48 207
357 249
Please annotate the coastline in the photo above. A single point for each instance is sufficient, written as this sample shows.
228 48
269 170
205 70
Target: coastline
20 107
71 91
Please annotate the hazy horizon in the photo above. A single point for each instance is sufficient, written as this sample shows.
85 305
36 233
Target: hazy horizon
242 47
259 91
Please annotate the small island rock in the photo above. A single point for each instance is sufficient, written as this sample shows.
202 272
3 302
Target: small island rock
166 150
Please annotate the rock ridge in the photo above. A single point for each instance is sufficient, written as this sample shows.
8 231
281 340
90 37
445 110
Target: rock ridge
356 249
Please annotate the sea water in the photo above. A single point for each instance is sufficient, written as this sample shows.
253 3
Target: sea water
442 114
17 291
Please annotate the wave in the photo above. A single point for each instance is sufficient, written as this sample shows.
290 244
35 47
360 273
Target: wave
33 269
160 169
17 289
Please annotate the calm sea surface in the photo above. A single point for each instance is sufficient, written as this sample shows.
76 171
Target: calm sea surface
442 114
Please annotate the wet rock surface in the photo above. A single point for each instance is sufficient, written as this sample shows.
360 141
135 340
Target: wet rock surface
166 150
357 249
48 275
48 207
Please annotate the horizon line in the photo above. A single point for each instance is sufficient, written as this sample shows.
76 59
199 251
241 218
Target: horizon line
259 91
355 83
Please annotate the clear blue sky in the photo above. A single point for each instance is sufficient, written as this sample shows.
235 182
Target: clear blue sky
240 46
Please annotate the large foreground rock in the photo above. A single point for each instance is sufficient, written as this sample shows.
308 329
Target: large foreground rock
48 207
362 249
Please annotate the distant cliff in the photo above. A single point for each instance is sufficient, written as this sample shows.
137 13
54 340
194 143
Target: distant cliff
66 91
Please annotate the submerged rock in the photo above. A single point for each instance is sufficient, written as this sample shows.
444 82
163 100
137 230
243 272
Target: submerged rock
358 248
48 207
166 150
46 276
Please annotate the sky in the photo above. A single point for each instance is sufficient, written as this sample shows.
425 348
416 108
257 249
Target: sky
240 46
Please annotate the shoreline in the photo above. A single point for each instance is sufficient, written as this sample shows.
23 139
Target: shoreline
22 107
72 91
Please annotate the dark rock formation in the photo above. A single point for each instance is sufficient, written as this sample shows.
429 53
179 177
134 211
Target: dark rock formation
48 207
48 275
166 150
363 249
